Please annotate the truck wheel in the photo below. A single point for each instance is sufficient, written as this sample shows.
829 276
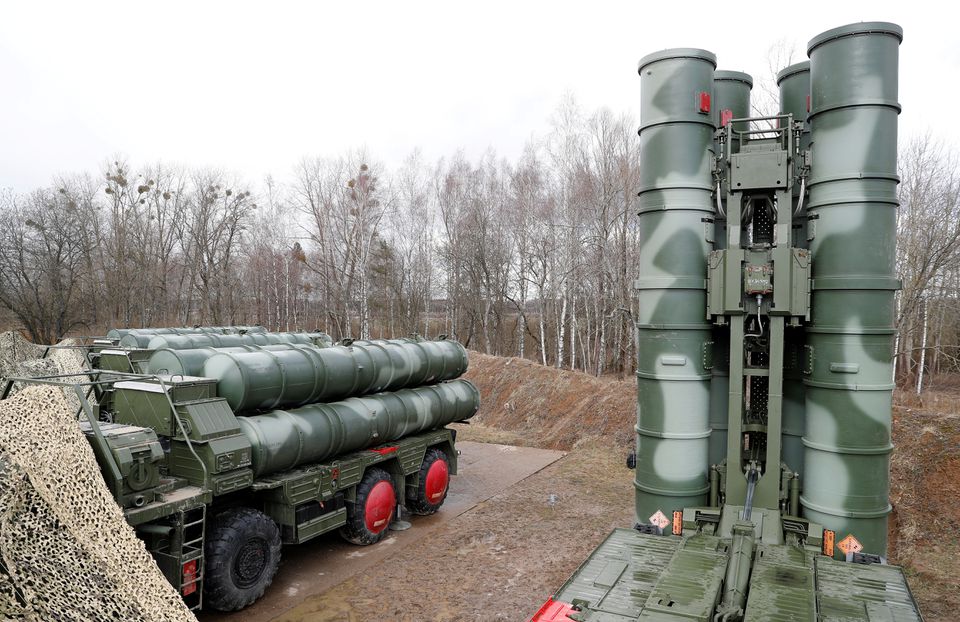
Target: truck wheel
370 515
434 483
242 557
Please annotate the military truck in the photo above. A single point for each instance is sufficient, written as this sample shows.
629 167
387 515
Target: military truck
265 445
765 347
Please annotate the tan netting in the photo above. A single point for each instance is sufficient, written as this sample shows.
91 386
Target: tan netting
20 358
14 350
66 551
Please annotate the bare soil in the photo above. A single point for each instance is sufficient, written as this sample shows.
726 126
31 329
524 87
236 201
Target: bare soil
925 493
502 559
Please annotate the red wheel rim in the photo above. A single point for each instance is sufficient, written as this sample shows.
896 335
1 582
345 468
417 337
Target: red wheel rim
438 476
379 507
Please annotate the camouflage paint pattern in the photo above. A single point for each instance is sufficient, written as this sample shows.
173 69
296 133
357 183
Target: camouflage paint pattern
849 351
300 375
284 439
673 343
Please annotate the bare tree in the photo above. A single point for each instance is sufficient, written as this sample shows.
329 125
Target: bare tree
928 231
216 219
43 259
343 204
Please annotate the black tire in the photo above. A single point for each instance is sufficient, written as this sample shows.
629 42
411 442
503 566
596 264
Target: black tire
360 530
427 502
242 556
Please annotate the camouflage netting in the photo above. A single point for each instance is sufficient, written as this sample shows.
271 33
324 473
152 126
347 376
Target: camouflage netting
14 351
19 357
66 552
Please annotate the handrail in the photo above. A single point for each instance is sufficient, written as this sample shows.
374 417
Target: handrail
116 376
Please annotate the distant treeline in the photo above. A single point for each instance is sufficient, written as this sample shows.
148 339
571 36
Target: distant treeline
533 258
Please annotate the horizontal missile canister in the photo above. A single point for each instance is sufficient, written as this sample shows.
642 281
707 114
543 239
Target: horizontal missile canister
367 342
184 341
284 439
286 378
140 337
675 186
850 341
204 340
267 339
190 362
119 333
144 334
229 330
186 362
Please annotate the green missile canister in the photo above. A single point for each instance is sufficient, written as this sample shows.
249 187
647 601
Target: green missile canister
190 362
284 439
187 362
852 209
731 91
297 376
794 83
674 205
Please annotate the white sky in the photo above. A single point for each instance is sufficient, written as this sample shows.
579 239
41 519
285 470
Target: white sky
253 87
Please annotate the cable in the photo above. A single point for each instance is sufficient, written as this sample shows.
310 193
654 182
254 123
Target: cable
759 332
803 188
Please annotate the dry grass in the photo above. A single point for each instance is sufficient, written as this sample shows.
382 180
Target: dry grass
551 408
925 492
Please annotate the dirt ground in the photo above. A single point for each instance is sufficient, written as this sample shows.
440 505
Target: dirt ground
502 559
925 493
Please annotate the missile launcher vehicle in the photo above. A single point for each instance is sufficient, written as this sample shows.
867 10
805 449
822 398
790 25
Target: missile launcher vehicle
765 342
219 456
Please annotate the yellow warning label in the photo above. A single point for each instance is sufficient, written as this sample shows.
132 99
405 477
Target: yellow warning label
850 545
659 519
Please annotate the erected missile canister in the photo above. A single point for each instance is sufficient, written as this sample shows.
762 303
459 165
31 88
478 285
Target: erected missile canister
731 90
850 342
794 84
673 379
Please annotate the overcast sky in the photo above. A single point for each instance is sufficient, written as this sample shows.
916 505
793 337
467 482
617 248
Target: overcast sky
252 87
